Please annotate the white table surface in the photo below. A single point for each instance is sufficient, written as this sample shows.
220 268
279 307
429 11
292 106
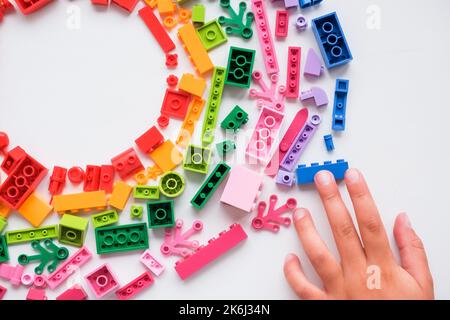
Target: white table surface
81 96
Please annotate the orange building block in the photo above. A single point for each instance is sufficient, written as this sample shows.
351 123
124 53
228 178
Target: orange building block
195 49
4 210
35 210
151 3
120 195
76 202
166 7
187 128
190 84
166 156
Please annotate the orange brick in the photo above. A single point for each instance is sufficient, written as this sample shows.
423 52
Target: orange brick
4 210
120 195
187 128
76 202
166 156
192 85
35 210
166 7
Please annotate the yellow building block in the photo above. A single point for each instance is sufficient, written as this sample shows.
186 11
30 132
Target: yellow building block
195 49
192 85
166 7
166 156
151 3
120 195
188 126
35 210
4 210
77 202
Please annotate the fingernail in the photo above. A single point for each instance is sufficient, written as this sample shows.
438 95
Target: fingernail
299 214
289 258
405 218
352 176
323 178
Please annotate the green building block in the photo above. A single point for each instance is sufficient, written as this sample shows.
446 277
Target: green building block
210 185
240 67
146 192
171 184
28 235
160 214
225 147
211 35
137 212
121 238
50 255
197 159
213 106
235 119
72 230
4 255
105 218
235 23
3 224
198 14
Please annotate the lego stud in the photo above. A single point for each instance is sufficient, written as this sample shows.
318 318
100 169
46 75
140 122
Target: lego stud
75 175
102 281
163 121
301 23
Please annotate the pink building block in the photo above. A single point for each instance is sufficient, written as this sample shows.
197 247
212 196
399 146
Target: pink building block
40 281
36 294
215 248
242 188
266 131
27 279
152 264
265 37
282 24
273 219
313 65
273 96
293 72
72 264
318 94
75 293
136 286
102 281
177 243
12 274
2 292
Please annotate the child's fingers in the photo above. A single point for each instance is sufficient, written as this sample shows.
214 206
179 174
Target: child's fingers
298 281
412 253
326 266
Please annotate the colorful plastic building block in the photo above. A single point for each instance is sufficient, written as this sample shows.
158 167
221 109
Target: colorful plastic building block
331 40
285 178
75 175
265 37
146 192
195 49
163 121
313 66
266 131
4 210
40 281
305 175
50 256
299 144
121 238
273 96
235 23
137 212
272 219
104 219
190 84
211 35
166 156
4 255
282 24
35 210
213 107
171 184
318 94
172 80
57 180
27 6
106 178
198 14
100 2
340 105
77 202
141 178
5 7
36 294
136 286
102 281
328 139
72 264
92 178
72 230
151 263
240 67
154 172
184 15
187 128
290 4
127 164
11 158
27 279
120 195
215 248
160 214
235 119
127 5
3 291
308 3
3 223
175 104
210 185
300 23
177 243
166 7
225 147
242 188
197 159
12 274
156 28
293 72
150 140
28 235
73 294
171 60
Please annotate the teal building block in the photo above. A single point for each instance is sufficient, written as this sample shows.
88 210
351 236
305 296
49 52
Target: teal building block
240 67
4 255
137 212
210 185
160 214
197 159
146 192
235 23
50 255
72 230
211 35
105 218
235 119
121 238
198 14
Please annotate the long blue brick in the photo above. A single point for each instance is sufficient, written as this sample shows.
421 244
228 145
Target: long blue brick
305 175
340 105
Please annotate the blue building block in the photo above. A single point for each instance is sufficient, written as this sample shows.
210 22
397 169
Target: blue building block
328 139
340 105
331 40
305 175
308 3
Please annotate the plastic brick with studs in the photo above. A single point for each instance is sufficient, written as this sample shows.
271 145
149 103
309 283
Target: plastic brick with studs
224 148
299 144
50 256
70 266
106 178
212 109
4 210
187 128
198 14
211 35
273 96
76 202
300 23
290 4
146 192
331 40
57 180
102 281
100 2
197 159
121 238
166 156
104 219
215 248
35 210
36 294
305 175
171 184
242 189
190 84
120 195
152 264
328 140
235 119
340 105
313 65
318 94
149 140
175 104
11 158
72 230
92 178
235 23
127 164
3 223
266 131
12 274
282 24
160 214
166 7
75 175
74 293
240 67
285 178
172 80
272 219
308 3
127 5
293 72
156 28
137 212
171 60
210 185
28 235
177 242
4 255
3 291
27 7
136 286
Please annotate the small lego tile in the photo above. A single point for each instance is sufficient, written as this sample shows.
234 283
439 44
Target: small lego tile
198 14
318 94
166 156
127 5
308 3
28 235
282 24
156 28
290 4
211 35
235 119
273 218
85 201
121 194
3 291
122 238
75 175
57 180
92 178
127 164
235 25
106 178
3 223
141 178
240 67
224 148
163 121
136 286
152 264
50 255
187 128
105 218
285 178
184 15
27 7
102 281
137 212
166 7
160 214
4 255
171 60
146 192
340 105
175 104
73 294
72 230
190 84
171 184
313 66
36 294
328 140
293 72
35 210
305 175
300 23
172 80
197 159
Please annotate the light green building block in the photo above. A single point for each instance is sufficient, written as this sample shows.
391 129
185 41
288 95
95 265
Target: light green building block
72 230
105 218
3 224
197 159
211 35
28 235
198 14
137 212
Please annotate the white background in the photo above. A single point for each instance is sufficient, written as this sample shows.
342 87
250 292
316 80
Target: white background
81 96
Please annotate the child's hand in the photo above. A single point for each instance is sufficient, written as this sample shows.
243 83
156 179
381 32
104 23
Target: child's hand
367 269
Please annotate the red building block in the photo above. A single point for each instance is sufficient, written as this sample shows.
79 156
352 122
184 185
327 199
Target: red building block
107 178
127 5
75 293
293 72
2 292
92 178
76 175
175 104
100 2
5 7
57 180
150 140
282 24
142 282
12 158
156 28
171 60
127 164
30 6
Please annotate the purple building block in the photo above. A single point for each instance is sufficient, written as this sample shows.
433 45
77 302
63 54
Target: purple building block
290 4
301 23
318 94
285 178
313 66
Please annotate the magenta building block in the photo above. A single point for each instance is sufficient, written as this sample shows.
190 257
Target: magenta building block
36 294
318 94
313 66
177 242
285 178
102 281
273 218
73 294
152 264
